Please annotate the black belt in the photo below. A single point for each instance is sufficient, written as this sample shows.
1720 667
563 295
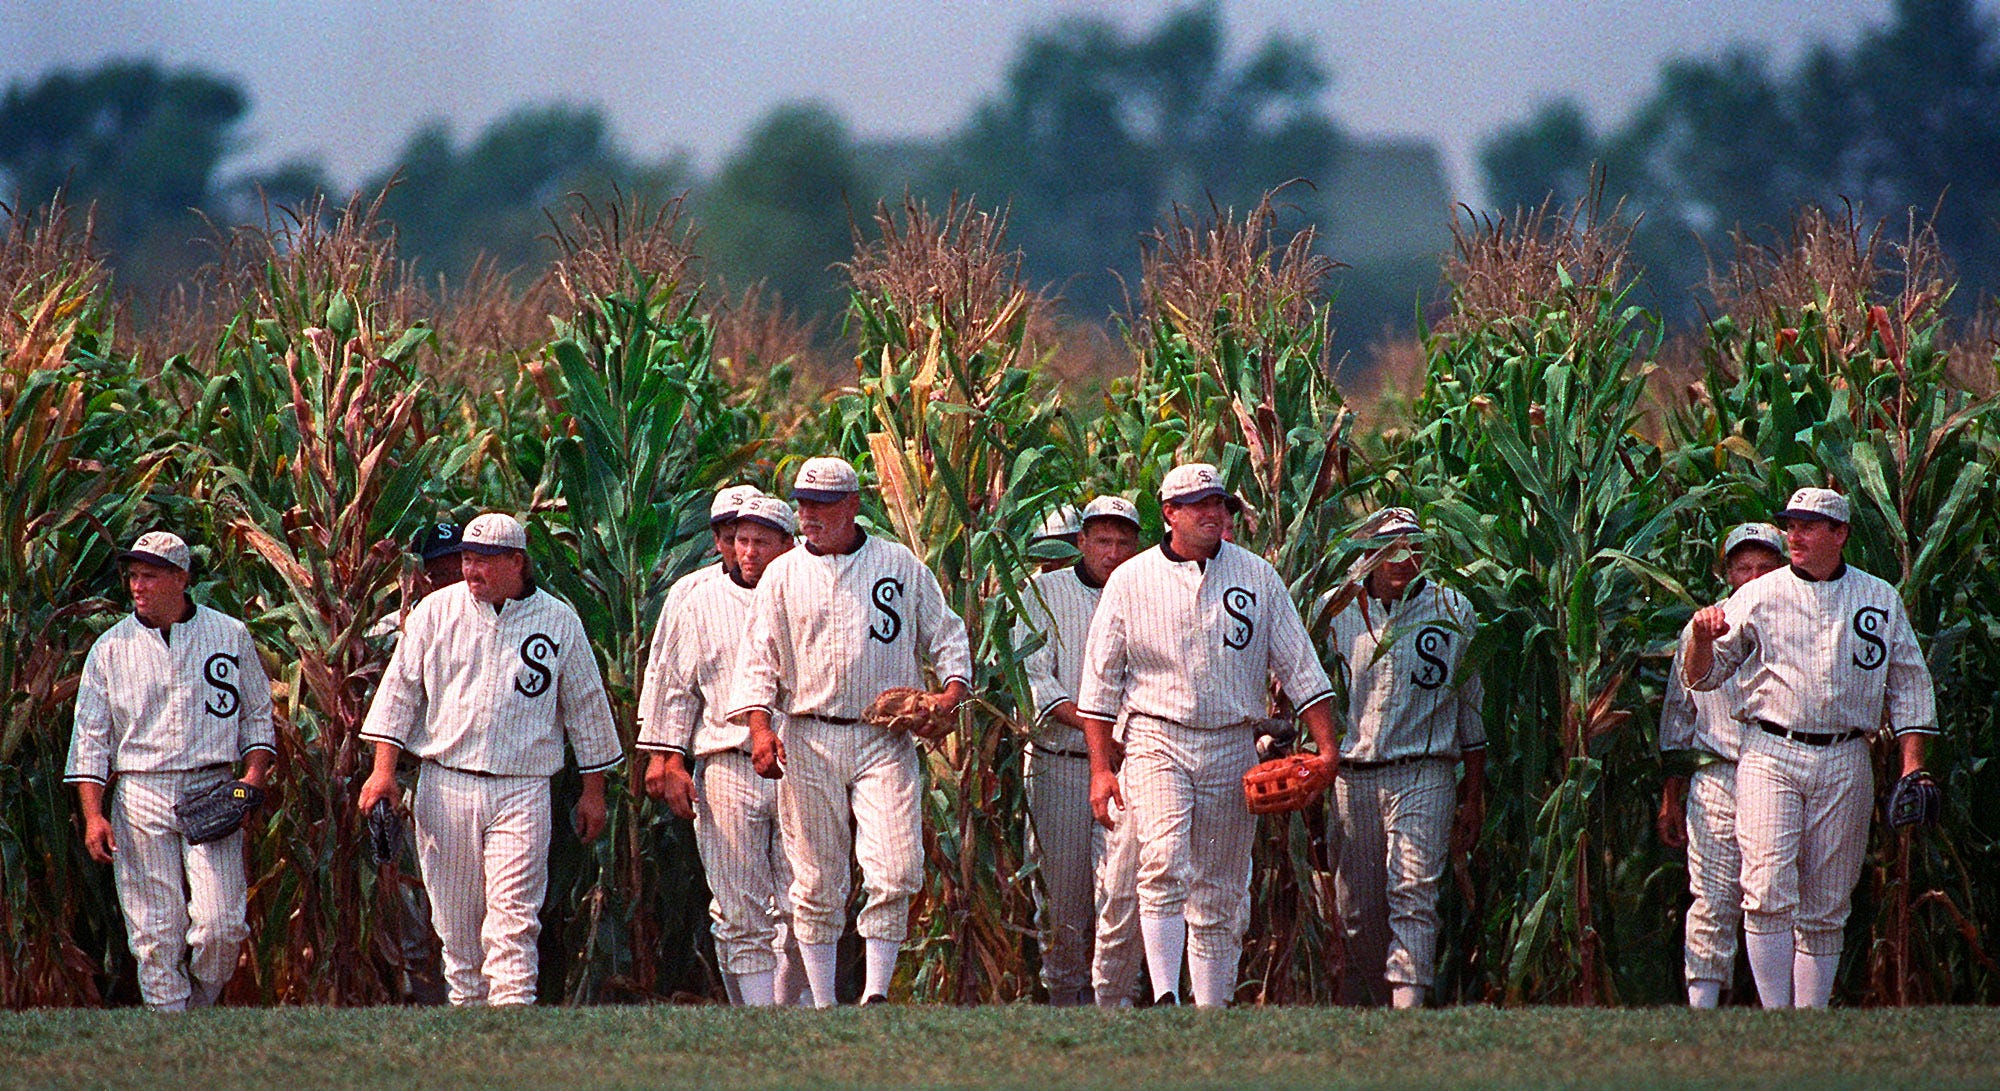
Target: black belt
1040 749
1810 738
1365 766
837 721
467 772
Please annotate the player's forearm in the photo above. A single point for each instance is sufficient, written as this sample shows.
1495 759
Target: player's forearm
759 721
956 693
1065 713
1475 770
385 759
257 767
90 798
1097 738
593 784
1697 662
1318 719
1913 751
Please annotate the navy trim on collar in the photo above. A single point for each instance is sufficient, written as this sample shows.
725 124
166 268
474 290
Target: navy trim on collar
860 539
1810 578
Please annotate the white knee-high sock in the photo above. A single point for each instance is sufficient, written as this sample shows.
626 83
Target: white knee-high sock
1812 979
732 988
822 965
881 956
1165 938
789 984
1406 997
1214 981
757 989
1704 994
1771 964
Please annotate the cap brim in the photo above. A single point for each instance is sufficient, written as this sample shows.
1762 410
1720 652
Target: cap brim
1790 515
486 549
719 520
1198 496
1128 520
763 522
1759 543
434 552
140 556
822 496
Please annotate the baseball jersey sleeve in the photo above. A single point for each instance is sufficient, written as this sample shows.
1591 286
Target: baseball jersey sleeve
584 709
1912 698
946 647
1677 712
90 733
1045 689
398 706
758 665
1293 661
1106 657
1734 646
670 705
254 725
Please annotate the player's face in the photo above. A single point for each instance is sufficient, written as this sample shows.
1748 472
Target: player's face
159 592
493 579
444 571
1815 544
1397 568
829 524
1750 562
725 544
1199 527
1105 544
757 546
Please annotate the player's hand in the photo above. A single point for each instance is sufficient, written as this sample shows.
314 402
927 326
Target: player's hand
767 753
97 838
1469 821
668 780
590 816
1116 755
1671 824
1104 794
378 787
1709 624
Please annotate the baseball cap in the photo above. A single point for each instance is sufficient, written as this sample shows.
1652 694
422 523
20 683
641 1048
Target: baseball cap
439 540
1757 534
1111 507
1191 483
1809 503
769 511
158 547
729 502
825 479
495 532
1062 522
1388 522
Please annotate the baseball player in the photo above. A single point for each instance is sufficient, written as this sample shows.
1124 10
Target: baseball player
491 677
1063 839
438 546
1828 657
1054 544
1412 718
1183 642
172 697
735 810
1701 740
832 626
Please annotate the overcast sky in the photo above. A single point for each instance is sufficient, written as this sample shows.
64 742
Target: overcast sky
345 81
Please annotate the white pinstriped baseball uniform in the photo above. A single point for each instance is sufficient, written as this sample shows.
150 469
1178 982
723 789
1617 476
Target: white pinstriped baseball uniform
161 714
827 633
1411 715
1062 833
1185 649
1834 658
681 707
1700 734
487 699
1116 954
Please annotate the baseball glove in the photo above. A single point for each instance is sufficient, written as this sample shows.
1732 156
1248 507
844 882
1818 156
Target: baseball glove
217 811
385 832
1285 784
1916 800
906 708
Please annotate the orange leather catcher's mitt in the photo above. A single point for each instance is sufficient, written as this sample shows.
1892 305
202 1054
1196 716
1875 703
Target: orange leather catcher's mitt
906 708
1285 784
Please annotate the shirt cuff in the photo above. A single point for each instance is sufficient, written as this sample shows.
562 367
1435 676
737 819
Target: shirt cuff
1899 732
83 778
599 767
1311 701
264 746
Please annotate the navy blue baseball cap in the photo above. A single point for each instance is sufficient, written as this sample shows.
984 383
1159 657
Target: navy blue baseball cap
439 540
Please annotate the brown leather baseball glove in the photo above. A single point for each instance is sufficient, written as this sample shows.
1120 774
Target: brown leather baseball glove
906 708
1285 784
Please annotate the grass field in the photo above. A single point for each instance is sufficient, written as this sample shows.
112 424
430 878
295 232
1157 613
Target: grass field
712 1047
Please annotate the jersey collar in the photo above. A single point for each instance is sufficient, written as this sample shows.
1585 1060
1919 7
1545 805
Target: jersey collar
1807 577
860 539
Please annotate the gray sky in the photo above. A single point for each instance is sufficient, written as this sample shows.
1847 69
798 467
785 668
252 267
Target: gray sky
345 81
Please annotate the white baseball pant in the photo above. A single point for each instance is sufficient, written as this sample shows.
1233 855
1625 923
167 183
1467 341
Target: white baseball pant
1060 842
851 791
1117 953
483 846
184 904
1392 827
1714 867
1185 787
1802 817
736 831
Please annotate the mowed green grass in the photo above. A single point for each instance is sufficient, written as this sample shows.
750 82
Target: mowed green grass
551 1049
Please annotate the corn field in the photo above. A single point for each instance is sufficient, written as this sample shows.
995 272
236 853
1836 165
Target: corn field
306 407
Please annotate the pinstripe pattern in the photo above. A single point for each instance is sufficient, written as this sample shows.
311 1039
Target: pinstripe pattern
1705 724
1194 830
1058 607
1701 720
183 904
159 716
681 709
1392 829
1116 953
1823 656
1405 694
488 698
826 634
